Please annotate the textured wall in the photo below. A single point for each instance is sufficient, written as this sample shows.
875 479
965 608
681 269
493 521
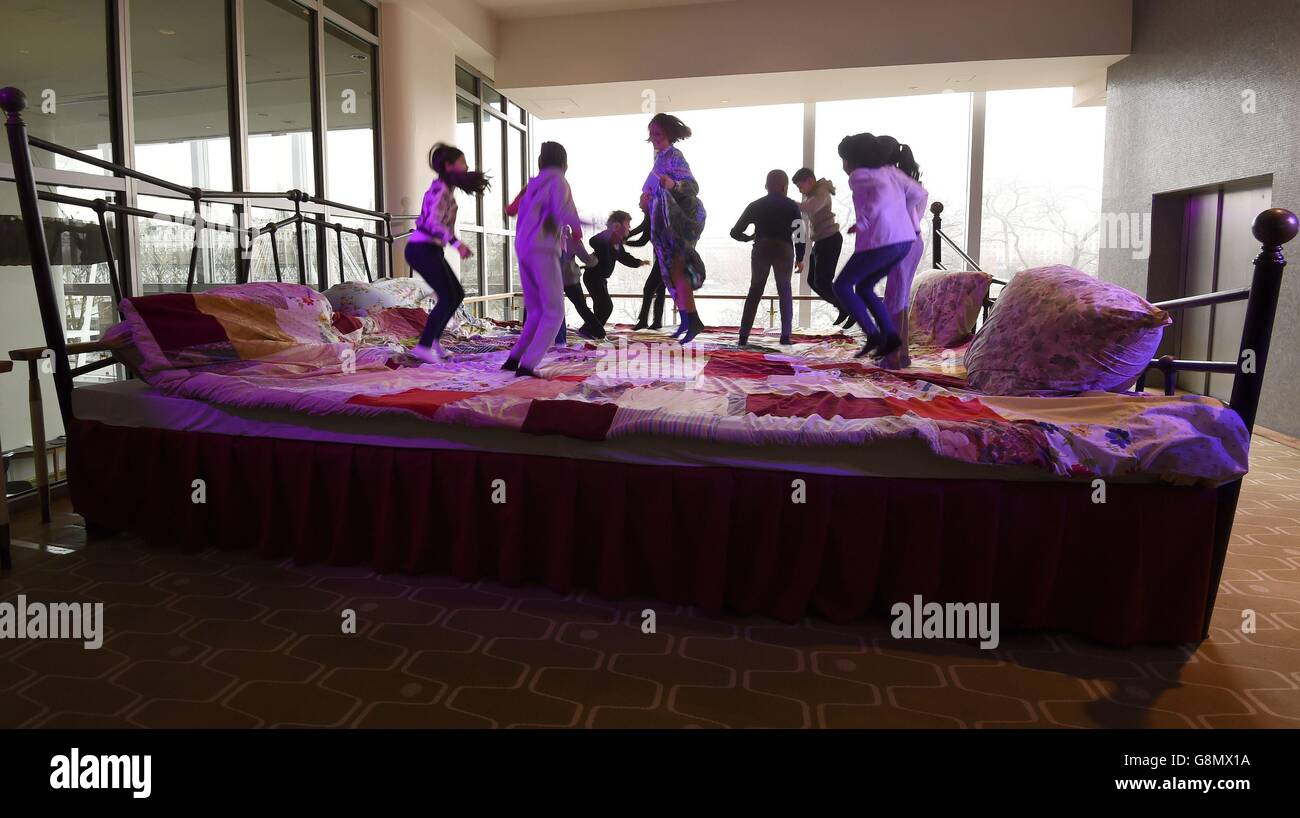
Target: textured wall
1175 120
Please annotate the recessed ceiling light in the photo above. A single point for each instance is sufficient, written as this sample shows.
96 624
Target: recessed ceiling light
166 32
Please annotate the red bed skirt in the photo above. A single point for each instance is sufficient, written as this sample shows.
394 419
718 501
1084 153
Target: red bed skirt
1133 570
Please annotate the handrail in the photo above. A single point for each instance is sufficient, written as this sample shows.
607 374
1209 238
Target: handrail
104 164
1217 297
16 101
938 238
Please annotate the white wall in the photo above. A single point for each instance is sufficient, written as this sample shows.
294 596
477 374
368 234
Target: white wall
419 80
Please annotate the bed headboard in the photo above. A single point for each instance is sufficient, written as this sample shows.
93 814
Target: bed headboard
13 102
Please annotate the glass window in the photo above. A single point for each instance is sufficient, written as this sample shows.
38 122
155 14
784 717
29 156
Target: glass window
356 11
286 243
1043 162
495 272
466 126
164 246
469 270
277 38
495 200
731 174
492 98
354 263
515 165
56 52
349 116
179 74
466 81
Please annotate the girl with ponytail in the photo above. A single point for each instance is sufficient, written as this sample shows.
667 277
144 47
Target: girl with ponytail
898 282
887 202
435 230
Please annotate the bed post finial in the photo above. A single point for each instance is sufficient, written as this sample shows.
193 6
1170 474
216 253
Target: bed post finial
13 101
1273 228
936 243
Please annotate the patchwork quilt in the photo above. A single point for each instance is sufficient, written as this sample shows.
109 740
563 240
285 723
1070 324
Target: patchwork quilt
812 393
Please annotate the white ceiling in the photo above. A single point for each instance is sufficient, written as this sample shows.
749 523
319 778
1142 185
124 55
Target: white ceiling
606 99
521 9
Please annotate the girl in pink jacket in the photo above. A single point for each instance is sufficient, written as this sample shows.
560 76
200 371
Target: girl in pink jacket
885 200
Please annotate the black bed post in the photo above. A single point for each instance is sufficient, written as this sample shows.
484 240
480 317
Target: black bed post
196 197
936 240
388 236
1273 228
296 197
275 255
101 209
365 259
13 101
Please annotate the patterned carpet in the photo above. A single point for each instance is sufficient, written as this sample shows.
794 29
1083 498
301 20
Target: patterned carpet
225 640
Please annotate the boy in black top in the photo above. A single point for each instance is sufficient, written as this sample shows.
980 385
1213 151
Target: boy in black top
775 218
608 247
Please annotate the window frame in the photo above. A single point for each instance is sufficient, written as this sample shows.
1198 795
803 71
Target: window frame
523 125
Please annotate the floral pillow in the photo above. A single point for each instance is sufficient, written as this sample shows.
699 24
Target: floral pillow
407 291
1058 330
264 321
945 305
360 298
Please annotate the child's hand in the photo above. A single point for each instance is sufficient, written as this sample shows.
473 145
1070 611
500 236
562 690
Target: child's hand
464 250
853 228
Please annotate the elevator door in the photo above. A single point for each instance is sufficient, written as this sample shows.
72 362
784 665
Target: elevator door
1219 255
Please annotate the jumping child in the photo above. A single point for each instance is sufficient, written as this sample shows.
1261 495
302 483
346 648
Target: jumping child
608 246
435 229
671 196
898 284
775 218
544 209
824 232
884 199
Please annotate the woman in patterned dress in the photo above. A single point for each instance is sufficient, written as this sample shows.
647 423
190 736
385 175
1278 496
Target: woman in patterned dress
671 197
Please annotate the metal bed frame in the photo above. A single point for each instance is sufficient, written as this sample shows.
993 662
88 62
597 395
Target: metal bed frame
1273 228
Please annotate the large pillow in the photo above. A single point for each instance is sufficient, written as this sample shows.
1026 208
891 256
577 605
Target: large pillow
360 298
285 323
945 305
1058 330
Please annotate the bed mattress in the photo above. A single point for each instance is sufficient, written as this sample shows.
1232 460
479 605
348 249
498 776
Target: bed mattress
134 404
642 398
